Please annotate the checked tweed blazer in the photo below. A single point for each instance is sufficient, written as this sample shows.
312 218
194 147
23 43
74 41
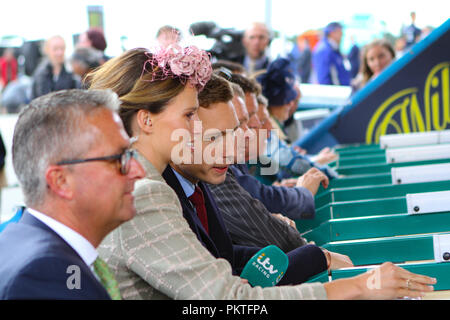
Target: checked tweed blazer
156 255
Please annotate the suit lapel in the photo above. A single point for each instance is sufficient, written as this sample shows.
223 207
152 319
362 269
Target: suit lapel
189 212
30 220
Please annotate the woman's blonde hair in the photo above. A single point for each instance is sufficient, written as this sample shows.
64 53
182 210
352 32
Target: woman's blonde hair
126 77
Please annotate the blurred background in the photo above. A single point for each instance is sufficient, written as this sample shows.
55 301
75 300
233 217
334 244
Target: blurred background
134 23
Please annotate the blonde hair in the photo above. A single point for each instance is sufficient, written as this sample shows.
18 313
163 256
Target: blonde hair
136 90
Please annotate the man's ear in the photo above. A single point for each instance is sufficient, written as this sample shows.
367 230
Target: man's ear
144 121
59 181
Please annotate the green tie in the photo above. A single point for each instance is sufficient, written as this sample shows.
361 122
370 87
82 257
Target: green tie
107 279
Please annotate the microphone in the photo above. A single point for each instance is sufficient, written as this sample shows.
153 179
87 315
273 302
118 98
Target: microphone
266 267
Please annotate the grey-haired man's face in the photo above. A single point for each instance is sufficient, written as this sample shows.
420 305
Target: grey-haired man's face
255 41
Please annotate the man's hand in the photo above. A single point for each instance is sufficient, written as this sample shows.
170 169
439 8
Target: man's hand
312 179
291 182
285 219
325 156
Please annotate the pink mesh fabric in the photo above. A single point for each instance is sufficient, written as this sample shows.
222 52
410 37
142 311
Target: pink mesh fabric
189 64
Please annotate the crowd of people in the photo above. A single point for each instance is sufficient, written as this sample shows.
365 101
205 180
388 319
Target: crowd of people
315 57
108 199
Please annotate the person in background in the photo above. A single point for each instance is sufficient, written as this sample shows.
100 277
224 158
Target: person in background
327 60
3 182
84 60
72 158
51 75
94 38
8 67
426 31
400 47
411 32
354 57
168 35
278 86
376 56
300 57
256 41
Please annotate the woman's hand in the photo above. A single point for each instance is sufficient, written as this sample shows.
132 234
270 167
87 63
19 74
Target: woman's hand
385 282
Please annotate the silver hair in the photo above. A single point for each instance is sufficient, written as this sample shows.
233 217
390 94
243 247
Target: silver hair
50 129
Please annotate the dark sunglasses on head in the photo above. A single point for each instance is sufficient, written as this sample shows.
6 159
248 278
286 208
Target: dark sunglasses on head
123 159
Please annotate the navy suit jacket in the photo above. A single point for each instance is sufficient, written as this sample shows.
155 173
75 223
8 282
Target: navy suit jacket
304 261
35 265
218 241
295 203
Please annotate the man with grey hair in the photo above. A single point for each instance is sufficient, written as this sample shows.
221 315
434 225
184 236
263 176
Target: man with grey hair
256 41
71 156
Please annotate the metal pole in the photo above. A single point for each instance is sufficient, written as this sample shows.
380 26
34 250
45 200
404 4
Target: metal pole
268 14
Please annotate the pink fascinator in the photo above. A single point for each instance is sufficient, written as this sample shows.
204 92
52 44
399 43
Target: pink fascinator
190 65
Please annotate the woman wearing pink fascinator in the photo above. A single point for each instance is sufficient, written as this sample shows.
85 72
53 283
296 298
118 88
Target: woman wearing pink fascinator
158 91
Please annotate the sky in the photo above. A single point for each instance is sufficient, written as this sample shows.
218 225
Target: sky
139 20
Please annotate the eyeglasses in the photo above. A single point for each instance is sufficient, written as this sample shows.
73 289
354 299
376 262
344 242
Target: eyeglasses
123 159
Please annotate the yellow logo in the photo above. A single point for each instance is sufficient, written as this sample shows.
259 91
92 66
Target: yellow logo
402 112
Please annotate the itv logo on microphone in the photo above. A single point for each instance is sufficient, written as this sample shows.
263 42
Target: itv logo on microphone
266 267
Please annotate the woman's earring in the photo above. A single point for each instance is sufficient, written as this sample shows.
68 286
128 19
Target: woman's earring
133 139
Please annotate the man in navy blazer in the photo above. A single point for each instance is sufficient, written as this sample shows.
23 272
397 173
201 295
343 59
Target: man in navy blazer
218 116
38 264
293 202
217 240
304 261
70 153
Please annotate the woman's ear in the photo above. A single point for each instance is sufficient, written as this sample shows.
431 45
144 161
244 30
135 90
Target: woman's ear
144 121
59 181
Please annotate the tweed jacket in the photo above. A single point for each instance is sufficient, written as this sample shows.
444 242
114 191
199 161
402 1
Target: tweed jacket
156 255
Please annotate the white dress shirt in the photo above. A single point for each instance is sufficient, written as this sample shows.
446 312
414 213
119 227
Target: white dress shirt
81 246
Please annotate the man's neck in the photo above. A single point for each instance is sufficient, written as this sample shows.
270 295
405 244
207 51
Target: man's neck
56 69
91 233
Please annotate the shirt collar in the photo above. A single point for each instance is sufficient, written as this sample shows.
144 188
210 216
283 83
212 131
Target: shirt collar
188 187
82 246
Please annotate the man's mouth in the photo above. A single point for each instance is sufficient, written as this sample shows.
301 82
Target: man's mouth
221 169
